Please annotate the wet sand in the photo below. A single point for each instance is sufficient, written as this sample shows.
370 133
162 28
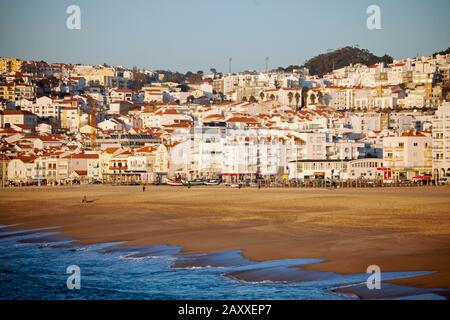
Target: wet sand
399 229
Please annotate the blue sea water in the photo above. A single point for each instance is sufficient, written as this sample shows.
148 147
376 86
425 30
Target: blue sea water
33 266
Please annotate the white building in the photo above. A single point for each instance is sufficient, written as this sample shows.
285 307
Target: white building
441 141
18 117
21 169
408 155
364 122
366 169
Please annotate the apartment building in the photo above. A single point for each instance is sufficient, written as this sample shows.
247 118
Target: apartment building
44 107
366 169
408 155
364 122
8 65
85 162
17 117
21 169
441 141
51 168
7 92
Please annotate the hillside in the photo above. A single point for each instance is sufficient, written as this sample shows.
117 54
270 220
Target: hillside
324 63
446 51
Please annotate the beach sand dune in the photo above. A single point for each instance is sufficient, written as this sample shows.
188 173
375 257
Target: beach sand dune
398 229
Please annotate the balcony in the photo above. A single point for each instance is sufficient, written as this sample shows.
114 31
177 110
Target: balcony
118 168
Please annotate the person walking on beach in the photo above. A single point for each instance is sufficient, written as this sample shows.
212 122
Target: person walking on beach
143 188
84 200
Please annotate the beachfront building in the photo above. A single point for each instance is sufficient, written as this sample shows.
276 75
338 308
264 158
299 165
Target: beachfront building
370 169
441 141
4 161
85 162
408 155
366 169
151 162
249 155
21 169
207 150
148 164
104 161
50 168
308 169
118 164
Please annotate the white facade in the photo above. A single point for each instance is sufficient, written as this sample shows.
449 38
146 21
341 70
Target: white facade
408 155
441 141
20 170
366 122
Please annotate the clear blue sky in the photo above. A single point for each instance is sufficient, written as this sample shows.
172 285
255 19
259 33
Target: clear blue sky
199 34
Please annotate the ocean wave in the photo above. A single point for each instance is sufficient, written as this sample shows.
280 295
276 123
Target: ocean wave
233 278
132 256
198 267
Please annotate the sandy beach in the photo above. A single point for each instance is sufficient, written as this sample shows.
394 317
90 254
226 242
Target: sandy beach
399 229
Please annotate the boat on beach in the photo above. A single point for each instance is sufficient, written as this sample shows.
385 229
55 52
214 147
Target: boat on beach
196 182
213 182
174 183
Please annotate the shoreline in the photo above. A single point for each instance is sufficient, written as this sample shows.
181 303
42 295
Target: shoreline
264 232
248 271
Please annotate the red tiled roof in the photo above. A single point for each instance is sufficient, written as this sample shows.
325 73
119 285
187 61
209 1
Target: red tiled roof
241 119
81 172
178 125
17 112
147 149
83 156
111 150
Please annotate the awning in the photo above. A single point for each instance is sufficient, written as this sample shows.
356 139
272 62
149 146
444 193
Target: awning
422 177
